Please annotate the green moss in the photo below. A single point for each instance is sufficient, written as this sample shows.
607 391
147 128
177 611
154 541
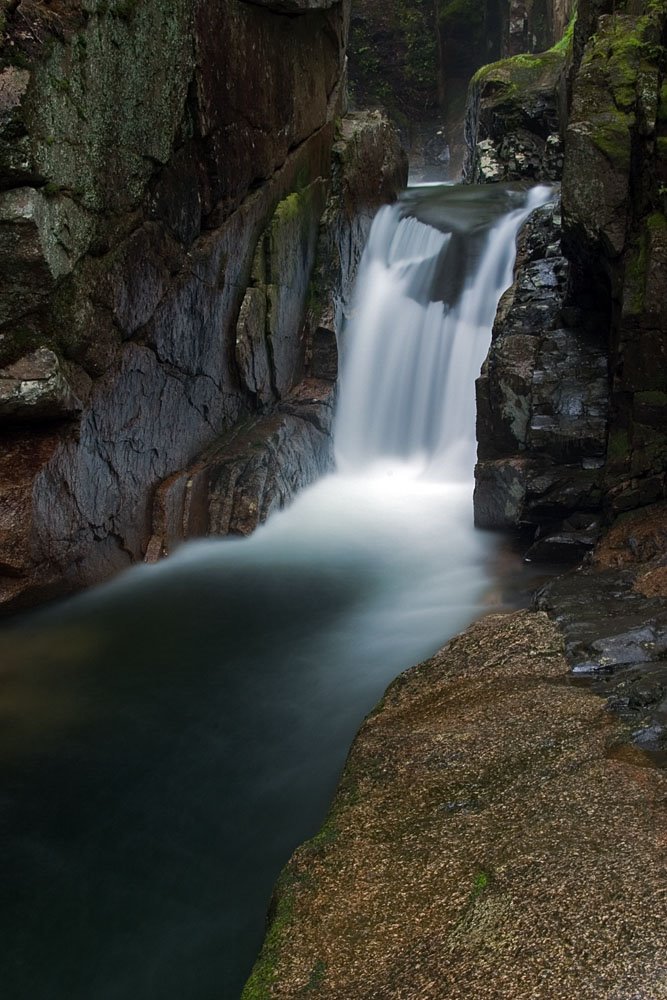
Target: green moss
288 208
526 70
481 882
656 223
264 974
259 985
662 105
317 974
618 446
652 398
635 276
611 135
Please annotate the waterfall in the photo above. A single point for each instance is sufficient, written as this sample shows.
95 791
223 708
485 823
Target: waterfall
157 727
418 337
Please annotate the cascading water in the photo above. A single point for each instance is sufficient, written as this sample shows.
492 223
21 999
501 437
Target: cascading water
414 349
170 738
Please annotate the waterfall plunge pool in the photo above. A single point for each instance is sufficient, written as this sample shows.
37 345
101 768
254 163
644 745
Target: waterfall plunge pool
168 739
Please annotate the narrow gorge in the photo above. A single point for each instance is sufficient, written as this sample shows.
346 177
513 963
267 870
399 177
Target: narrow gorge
249 379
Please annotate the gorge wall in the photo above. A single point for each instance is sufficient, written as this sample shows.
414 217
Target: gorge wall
572 420
182 207
416 57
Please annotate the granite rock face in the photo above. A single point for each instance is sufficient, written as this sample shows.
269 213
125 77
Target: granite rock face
548 465
160 217
615 230
473 848
542 398
515 116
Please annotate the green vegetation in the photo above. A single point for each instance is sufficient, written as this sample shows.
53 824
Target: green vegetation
263 974
457 15
511 77
618 446
317 975
481 882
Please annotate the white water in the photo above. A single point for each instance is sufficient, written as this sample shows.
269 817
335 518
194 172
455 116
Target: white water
410 361
173 736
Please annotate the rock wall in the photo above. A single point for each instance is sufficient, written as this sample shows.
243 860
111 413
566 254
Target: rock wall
163 172
515 116
574 429
406 55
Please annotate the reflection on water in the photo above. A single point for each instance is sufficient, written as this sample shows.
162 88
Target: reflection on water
167 740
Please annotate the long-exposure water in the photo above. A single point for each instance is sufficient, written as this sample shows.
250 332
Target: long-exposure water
167 740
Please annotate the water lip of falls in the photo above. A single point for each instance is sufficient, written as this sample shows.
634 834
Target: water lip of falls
412 350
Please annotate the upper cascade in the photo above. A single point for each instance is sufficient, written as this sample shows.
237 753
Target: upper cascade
425 303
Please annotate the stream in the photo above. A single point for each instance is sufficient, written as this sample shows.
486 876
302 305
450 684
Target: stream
168 739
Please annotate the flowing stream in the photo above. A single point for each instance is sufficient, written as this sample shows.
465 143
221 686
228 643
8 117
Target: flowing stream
167 740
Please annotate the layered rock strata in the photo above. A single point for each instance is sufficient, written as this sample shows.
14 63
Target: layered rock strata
160 218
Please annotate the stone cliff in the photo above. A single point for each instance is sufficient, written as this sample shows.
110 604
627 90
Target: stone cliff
571 401
498 831
416 57
170 175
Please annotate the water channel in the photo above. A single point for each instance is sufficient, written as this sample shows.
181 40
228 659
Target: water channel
167 740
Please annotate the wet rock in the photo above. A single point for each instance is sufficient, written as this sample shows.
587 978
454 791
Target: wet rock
564 546
252 355
616 634
241 479
542 400
638 645
614 230
515 119
15 166
36 388
324 355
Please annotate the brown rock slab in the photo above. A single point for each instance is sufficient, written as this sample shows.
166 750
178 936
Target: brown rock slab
492 837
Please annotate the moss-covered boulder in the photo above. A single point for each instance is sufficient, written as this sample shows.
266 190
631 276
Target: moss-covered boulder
614 227
516 116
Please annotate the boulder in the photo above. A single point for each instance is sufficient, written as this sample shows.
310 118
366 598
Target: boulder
36 388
